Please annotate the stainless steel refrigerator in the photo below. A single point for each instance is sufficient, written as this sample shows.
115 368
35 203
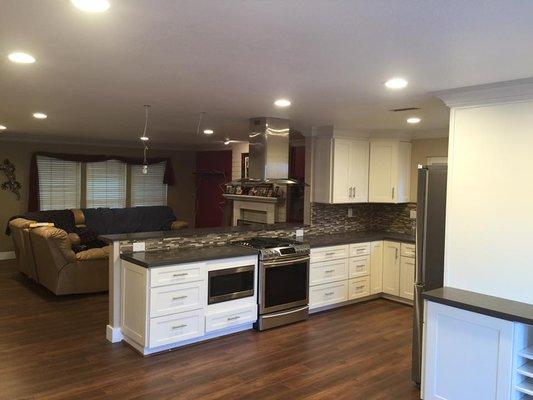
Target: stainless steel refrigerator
429 271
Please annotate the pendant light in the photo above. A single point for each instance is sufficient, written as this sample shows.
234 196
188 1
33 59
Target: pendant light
144 138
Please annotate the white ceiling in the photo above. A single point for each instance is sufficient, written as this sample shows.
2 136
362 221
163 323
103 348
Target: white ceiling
232 58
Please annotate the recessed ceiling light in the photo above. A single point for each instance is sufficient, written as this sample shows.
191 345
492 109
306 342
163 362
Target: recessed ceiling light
21 58
3 127
413 120
282 103
94 6
396 83
40 115
209 131
144 138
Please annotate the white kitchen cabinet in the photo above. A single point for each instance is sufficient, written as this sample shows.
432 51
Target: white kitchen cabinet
376 267
341 170
389 171
467 355
407 277
391 268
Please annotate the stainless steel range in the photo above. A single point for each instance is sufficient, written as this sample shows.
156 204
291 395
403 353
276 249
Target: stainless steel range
283 281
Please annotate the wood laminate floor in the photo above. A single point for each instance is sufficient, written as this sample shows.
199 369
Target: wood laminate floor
55 348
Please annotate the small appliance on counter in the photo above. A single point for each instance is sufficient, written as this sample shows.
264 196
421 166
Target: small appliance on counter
283 296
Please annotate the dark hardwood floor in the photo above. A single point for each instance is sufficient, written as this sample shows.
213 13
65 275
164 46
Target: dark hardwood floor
55 348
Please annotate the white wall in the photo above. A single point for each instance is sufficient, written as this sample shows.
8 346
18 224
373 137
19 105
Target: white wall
489 231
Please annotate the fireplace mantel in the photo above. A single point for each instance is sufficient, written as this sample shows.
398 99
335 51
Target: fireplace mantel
257 199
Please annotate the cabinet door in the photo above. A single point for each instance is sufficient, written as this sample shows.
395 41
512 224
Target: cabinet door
407 278
467 355
341 171
358 188
376 267
382 174
391 268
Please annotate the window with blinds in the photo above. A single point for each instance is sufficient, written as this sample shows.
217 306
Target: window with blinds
148 189
106 184
59 183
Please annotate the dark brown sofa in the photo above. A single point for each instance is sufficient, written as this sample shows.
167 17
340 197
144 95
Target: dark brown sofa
58 259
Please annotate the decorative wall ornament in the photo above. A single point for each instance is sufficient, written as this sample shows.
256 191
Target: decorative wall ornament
11 184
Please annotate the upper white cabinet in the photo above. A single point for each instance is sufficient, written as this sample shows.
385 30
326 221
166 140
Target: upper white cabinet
389 176
341 170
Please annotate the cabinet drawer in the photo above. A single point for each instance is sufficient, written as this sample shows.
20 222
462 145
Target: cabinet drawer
359 249
359 266
359 287
329 271
176 274
177 298
329 253
176 328
408 250
229 318
327 294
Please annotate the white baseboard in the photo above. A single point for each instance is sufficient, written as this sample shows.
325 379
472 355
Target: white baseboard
7 255
113 335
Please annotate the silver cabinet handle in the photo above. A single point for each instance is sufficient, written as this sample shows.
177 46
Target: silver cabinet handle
353 191
329 271
330 254
360 287
179 326
396 256
393 193
233 318
179 297
329 293
182 274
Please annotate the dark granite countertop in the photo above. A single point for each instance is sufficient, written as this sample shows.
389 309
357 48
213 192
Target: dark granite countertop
482 304
354 237
197 232
151 259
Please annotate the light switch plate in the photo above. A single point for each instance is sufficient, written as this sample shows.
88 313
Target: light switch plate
139 246
299 232
412 214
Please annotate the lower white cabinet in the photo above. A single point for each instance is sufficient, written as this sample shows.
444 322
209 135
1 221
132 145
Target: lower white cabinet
467 355
376 267
328 294
358 287
407 277
391 268
167 307
328 271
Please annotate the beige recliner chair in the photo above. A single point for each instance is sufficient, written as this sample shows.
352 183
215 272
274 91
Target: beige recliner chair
20 232
63 271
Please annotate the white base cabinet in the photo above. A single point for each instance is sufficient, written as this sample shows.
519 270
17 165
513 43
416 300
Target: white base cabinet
339 274
166 307
466 355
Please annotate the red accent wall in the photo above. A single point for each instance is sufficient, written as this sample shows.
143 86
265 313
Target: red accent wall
213 170
297 162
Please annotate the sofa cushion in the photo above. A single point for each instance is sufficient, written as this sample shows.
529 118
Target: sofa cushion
107 221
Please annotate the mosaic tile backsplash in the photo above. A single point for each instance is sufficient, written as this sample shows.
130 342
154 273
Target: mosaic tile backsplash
325 218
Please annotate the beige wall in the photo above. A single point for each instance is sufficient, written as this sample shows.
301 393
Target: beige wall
422 149
180 195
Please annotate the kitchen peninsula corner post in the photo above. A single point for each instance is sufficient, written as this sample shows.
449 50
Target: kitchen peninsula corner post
113 332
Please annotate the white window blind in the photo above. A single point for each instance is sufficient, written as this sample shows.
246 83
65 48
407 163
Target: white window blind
59 183
148 189
106 184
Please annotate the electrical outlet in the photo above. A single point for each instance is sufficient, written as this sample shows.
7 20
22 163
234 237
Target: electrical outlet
412 214
350 212
299 232
139 246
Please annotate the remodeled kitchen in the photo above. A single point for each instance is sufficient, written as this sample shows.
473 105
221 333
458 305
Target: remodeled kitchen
170 289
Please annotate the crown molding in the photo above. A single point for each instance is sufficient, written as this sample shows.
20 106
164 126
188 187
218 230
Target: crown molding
515 91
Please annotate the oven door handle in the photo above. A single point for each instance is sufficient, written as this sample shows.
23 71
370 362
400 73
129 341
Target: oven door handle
268 264
285 312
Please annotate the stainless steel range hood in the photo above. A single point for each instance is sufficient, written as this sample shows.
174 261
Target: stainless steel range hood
269 150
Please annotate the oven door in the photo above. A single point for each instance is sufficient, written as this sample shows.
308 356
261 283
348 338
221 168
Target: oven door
284 284
230 284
